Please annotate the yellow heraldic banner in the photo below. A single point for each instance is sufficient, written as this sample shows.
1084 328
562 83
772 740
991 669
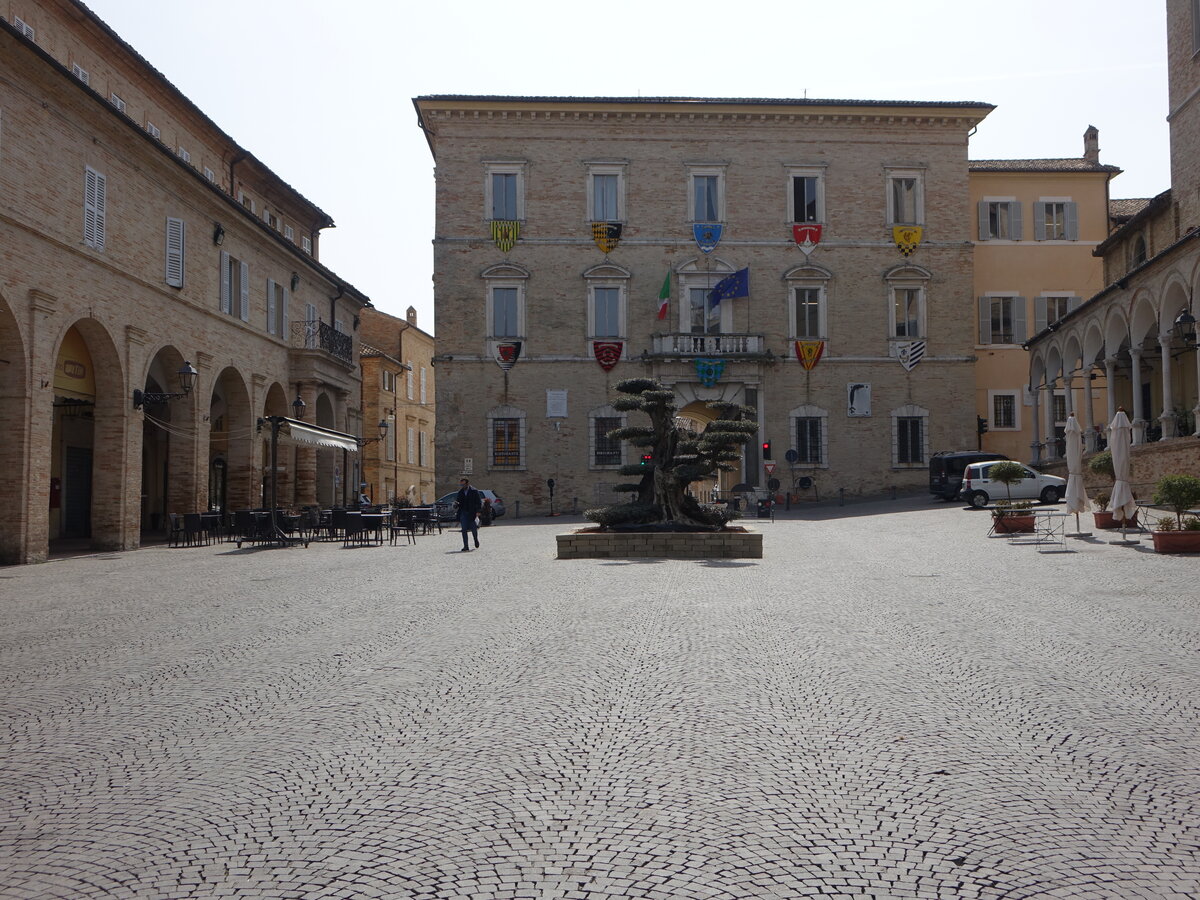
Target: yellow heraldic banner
809 352
907 238
505 234
606 235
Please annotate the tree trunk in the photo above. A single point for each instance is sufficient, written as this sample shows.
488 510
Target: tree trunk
670 497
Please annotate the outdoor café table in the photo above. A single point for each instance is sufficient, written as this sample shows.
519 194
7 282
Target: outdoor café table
1049 531
211 520
374 523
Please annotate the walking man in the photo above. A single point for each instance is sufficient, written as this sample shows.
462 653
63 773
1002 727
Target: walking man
468 502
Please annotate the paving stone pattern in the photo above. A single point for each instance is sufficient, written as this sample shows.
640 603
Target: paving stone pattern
888 705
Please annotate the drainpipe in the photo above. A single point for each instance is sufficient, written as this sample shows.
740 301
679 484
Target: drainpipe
232 163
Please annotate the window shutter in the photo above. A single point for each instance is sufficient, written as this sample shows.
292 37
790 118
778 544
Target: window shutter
310 326
1072 221
1039 314
1018 320
985 320
423 396
283 318
1073 303
245 286
1039 221
93 208
1016 222
175 235
226 286
985 233
270 306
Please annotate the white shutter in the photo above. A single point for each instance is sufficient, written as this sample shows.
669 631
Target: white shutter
283 318
93 208
1016 223
408 377
1073 303
226 286
1039 313
985 320
245 292
1018 320
423 396
175 236
310 326
1039 221
270 306
1072 221
412 438
985 232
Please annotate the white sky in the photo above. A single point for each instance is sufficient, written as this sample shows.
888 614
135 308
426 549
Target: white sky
321 92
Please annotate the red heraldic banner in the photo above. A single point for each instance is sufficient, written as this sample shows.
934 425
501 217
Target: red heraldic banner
608 353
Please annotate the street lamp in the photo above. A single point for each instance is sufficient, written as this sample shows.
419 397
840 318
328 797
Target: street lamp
1185 328
383 433
187 380
298 407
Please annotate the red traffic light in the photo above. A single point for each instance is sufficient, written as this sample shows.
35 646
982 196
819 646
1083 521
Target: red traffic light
766 449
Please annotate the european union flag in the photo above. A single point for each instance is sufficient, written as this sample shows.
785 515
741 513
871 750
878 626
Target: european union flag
730 287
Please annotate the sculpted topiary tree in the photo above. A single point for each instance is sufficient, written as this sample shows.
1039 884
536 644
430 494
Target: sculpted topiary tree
677 458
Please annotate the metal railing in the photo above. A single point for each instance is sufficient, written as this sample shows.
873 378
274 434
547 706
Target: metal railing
316 335
708 344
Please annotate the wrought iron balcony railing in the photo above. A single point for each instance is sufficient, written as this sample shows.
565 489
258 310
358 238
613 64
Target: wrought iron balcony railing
316 335
708 345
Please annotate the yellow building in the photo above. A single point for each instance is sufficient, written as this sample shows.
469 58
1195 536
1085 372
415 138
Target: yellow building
397 389
1039 221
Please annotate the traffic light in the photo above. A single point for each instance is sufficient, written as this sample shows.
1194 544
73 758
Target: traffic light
981 425
646 457
766 447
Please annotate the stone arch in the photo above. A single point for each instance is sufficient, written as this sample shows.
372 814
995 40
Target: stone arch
232 429
169 444
331 467
15 449
90 453
1143 322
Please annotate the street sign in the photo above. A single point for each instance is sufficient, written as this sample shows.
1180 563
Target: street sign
468 465
770 467
792 456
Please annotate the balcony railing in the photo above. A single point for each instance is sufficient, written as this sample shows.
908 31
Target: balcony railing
316 335
709 344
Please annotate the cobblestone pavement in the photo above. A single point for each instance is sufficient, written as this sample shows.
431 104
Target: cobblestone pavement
888 705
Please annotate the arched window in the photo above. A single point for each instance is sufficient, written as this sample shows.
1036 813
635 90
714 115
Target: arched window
1137 252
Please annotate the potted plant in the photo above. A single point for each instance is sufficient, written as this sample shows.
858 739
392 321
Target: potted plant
1179 493
1102 464
1011 517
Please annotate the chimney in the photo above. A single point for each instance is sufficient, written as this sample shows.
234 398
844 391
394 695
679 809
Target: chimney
1091 145
411 315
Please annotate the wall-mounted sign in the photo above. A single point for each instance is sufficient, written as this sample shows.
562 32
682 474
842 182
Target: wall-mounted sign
858 399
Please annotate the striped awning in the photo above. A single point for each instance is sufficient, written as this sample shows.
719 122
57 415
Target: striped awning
293 431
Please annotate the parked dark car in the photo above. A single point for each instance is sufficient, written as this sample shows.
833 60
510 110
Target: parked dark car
946 470
493 507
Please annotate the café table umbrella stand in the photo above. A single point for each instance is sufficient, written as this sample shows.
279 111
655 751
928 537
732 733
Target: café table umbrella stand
1121 503
1076 496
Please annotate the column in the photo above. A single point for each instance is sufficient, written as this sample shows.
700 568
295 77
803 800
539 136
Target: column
1035 445
1048 447
1196 408
1089 430
1110 376
1167 419
1139 421
306 457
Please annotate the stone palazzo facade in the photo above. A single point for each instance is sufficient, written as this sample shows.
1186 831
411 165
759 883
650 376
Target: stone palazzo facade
139 242
581 241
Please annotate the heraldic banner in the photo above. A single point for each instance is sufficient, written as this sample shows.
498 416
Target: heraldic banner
910 354
907 238
608 353
708 235
505 234
606 235
507 354
709 371
806 237
809 353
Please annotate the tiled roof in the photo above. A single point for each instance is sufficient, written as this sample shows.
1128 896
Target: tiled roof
1125 209
1073 164
735 101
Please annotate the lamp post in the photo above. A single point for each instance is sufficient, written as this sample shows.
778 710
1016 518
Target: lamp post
187 375
1185 329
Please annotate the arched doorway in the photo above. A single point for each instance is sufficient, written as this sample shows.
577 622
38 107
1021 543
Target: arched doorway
695 417
231 434
168 445
14 449
90 414
329 462
277 405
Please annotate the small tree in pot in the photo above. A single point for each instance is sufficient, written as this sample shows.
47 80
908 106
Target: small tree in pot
1013 517
1179 493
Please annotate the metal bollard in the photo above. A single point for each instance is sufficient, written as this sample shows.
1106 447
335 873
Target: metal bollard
574 506
841 496
517 505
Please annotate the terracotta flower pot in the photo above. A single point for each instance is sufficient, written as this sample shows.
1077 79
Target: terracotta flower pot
1176 541
1014 524
1104 519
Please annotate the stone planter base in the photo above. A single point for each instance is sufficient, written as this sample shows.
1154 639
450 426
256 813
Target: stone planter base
735 543
1176 541
1013 524
1104 519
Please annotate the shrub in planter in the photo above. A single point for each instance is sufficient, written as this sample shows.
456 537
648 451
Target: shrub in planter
1007 473
1011 517
1179 493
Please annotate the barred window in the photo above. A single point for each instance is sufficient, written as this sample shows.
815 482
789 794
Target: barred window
1004 411
608 450
808 440
909 444
506 442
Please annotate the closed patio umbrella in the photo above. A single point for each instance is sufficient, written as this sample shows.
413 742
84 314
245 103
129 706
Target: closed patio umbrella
1077 500
1120 435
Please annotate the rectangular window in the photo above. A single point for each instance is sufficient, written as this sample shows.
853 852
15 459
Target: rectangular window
1048 309
505 321
606 320
235 287
703 318
277 304
1001 320
607 450
605 195
306 244
506 442
289 233
408 380
504 196
1060 408
24 29
906 310
422 448
411 445
706 198
311 327
94 201
808 312
804 199
117 102
999 220
210 174
808 440
184 155
176 233
153 129
904 199
391 440
1004 411
1056 219
81 73
909 442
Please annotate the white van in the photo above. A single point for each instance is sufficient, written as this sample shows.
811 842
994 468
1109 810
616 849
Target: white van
979 490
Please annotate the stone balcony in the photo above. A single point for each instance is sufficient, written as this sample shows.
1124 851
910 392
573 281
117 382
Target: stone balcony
709 345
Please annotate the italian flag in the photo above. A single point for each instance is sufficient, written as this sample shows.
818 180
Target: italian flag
664 296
